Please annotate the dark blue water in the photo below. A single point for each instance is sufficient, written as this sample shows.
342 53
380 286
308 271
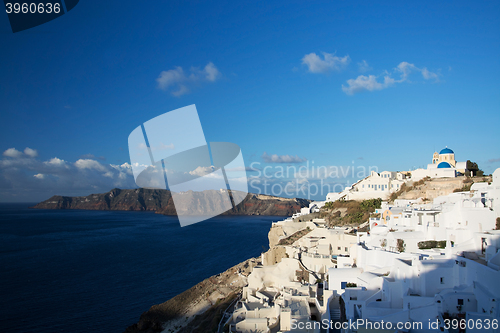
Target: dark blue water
95 271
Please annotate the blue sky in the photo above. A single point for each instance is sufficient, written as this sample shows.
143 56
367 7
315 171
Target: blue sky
337 83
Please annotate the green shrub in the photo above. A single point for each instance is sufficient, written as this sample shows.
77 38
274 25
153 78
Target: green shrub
328 205
432 244
357 217
401 245
371 203
441 244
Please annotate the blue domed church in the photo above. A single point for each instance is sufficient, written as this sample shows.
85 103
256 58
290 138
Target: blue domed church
445 165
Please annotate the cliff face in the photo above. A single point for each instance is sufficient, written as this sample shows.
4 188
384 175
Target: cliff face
116 199
274 235
161 202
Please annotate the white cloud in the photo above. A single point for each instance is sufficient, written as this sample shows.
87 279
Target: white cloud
330 62
371 83
178 82
282 158
12 152
406 68
124 170
90 164
212 73
55 162
30 152
429 75
170 77
201 171
364 67
27 178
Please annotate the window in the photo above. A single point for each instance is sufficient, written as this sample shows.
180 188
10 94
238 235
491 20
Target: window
338 248
441 279
346 249
460 301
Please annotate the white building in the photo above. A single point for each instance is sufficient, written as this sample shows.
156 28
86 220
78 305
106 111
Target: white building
376 185
381 185
443 165
424 285
419 266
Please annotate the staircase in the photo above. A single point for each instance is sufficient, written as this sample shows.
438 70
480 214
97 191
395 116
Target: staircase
334 315
307 269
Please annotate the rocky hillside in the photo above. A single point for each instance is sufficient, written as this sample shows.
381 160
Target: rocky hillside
428 189
161 202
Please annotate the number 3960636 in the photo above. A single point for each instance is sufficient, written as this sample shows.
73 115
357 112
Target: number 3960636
32 8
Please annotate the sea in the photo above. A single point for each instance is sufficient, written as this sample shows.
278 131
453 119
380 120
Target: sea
97 271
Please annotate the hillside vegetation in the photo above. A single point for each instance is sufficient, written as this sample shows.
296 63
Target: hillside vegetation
349 213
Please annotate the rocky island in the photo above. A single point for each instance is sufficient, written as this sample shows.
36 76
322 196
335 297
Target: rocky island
161 202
